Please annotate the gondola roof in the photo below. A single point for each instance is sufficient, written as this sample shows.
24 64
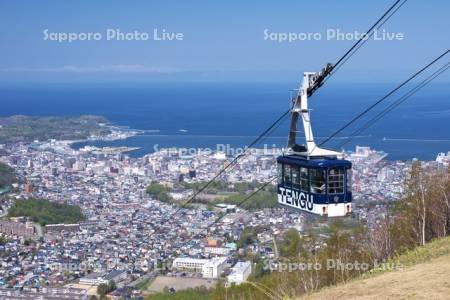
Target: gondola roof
322 162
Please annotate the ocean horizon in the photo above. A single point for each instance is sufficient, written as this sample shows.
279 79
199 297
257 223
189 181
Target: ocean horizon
205 115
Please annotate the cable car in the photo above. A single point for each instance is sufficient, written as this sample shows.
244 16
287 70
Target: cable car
311 178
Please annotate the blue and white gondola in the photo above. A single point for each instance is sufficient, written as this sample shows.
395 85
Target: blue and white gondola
311 178
318 186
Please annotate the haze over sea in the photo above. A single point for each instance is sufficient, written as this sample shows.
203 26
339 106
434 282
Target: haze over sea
202 115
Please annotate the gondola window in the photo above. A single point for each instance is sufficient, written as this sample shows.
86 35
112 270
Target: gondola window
317 181
336 181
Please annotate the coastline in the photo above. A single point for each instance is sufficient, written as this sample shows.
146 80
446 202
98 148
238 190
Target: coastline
112 138
117 133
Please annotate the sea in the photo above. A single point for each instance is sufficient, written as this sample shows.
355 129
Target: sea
217 115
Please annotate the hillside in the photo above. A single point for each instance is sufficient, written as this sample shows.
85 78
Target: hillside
20 128
425 275
7 176
45 212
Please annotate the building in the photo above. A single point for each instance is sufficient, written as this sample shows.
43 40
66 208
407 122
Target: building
92 279
97 279
210 268
240 272
214 267
443 159
228 208
181 194
217 250
116 276
231 246
187 263
17 228
28 188
52 228
213 243
44 293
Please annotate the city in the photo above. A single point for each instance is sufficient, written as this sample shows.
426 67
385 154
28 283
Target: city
234 150
127 235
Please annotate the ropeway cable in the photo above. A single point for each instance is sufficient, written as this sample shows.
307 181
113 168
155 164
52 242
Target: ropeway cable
399 101
336 67
368 31
282 116
354 119
218 219
277 121
233 162
368 124
365 38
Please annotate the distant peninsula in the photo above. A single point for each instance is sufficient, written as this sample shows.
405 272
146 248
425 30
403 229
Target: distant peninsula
20 128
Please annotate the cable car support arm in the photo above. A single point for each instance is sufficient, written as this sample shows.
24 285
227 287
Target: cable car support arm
311 82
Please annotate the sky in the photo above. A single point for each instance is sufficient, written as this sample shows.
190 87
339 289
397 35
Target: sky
222 40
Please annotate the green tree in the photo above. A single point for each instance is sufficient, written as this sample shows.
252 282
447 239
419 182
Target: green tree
102 289
291 243
7 175
112 286
247 237
46 212
3 240
158 191
105 288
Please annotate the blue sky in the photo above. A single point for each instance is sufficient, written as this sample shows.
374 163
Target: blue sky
223 40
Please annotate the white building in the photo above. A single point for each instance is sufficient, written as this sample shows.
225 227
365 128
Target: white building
180 195
92 279
443 158
97 279
217 250
362 152
210 268
214 267
220 155
240 272
187 263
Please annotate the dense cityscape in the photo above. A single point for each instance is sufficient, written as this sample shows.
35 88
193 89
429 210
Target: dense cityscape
130 238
